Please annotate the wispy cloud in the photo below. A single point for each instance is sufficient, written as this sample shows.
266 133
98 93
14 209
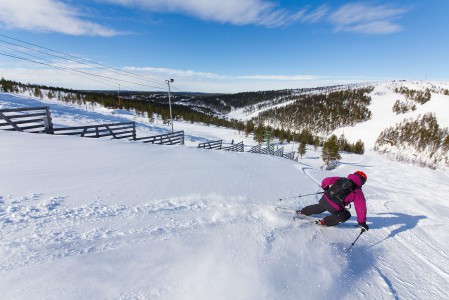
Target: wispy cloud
185 80
48 16
68 18
236 12
367 18
280 77
166 72
205 75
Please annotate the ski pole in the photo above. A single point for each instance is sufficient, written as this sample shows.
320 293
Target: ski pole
361 231
299 196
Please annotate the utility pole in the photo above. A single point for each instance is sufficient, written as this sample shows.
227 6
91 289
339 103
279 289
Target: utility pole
169 101
118 94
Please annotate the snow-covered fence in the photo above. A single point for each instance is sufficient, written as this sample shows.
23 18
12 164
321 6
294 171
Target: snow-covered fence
290 155
115 130
267 150
217 145
172 138
239 147
38 120
279 152
255 149
270 151
27 119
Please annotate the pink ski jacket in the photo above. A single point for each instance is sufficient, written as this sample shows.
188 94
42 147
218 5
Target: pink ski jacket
356 196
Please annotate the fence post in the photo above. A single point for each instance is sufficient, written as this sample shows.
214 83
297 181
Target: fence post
48 122
134 131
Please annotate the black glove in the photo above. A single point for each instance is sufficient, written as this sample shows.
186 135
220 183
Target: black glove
364 226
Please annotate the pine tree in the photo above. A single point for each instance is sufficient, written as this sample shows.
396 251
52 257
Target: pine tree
359 147
249 127
330 150
259 134
302 148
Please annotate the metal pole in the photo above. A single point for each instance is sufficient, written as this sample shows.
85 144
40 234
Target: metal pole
169 102
118 94
299 196
361 231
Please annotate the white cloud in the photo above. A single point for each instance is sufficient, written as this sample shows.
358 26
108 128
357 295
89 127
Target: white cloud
185 80
367 18
48 15
280 77
172 72
204 75
58 16
316 15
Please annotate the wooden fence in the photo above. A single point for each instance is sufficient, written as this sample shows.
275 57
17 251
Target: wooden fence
114 130
239 147
38 120
290 155
33 119
270 151
172 138
216 145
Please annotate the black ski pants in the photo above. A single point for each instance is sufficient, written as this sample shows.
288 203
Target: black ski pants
336 217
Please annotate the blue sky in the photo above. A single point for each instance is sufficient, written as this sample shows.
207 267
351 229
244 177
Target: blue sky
222 46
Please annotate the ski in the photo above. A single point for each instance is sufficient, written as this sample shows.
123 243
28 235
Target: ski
290 210
312 219
297 216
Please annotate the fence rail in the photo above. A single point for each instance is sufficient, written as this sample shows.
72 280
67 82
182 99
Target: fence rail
270 151
28 119
115 130
290 155
172 138
239 147
255 149
216 145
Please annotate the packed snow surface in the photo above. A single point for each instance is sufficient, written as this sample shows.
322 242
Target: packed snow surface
112 219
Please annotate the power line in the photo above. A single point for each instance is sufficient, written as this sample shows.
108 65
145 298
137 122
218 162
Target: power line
53 66
71 70
83 61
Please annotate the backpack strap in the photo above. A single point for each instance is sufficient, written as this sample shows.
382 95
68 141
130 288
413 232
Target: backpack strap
340 199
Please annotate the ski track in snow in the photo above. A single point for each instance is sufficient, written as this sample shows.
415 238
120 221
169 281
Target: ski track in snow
26 221
37 229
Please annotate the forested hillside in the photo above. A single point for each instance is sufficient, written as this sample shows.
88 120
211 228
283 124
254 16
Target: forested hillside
322 113
420 141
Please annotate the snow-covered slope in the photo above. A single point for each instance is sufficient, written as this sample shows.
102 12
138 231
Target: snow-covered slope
107 219
383 98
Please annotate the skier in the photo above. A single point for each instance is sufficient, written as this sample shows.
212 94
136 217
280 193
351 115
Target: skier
336 198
